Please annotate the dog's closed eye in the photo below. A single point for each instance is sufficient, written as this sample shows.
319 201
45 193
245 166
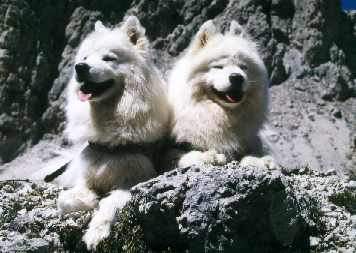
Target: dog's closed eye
243 66
109 58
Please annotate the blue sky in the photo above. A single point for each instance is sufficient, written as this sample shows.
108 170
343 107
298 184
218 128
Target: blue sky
349 4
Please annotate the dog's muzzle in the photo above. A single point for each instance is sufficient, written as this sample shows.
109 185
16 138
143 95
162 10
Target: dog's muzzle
234 93
88 88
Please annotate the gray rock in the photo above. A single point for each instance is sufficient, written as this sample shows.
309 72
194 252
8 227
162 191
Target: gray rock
309 49
213 209
198 209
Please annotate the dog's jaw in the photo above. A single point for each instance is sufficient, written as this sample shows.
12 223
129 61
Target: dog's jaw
91 90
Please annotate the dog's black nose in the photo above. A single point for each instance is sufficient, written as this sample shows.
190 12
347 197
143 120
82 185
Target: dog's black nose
82 70
236 79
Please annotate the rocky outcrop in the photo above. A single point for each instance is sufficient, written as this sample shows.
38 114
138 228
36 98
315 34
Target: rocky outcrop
308 47
212 209
28 60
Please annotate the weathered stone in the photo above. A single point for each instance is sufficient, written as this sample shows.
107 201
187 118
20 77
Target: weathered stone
198 209
309 50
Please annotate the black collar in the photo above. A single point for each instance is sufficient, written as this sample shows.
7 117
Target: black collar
186 146
144 147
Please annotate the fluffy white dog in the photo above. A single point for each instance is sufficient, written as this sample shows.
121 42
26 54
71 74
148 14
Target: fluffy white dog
117 102
218 90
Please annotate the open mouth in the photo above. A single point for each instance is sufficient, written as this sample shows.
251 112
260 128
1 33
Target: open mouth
229 96
89 90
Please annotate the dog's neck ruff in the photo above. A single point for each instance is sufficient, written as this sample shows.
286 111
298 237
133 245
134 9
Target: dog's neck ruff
130 147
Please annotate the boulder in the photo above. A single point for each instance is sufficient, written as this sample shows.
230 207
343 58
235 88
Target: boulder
197 209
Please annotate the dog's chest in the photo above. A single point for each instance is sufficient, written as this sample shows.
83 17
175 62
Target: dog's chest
108 171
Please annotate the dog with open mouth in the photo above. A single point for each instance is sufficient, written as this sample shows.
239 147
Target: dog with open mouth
116 102
218 90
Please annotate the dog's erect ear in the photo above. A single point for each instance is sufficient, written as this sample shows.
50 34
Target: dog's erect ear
135 31
99 27
237 29
205 33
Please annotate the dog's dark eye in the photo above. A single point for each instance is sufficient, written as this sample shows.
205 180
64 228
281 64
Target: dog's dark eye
109 58
218 67
243 66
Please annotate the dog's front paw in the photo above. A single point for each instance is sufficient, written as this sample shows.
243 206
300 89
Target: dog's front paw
191 158
270 163
263 162
76 199
97 231
213 158
217 159
202 158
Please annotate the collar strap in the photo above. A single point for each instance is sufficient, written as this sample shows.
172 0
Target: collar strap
187 146
127 147
146 148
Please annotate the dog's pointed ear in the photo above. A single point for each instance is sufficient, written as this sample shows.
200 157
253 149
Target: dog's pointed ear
237 29
135 31
206 32
99 27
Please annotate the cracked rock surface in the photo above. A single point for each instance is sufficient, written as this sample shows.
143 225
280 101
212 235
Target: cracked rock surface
309 49
197 209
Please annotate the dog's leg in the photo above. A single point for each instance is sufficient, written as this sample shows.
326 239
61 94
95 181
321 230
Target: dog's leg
76 199
201 158
103 218
263 162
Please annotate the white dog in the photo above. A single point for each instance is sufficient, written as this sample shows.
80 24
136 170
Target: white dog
116 101
218 91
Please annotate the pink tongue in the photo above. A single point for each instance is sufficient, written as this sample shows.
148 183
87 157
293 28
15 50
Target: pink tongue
230 99
83 97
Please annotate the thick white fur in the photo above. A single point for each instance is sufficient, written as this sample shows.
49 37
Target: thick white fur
143 103
134 110
99 226
225 131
